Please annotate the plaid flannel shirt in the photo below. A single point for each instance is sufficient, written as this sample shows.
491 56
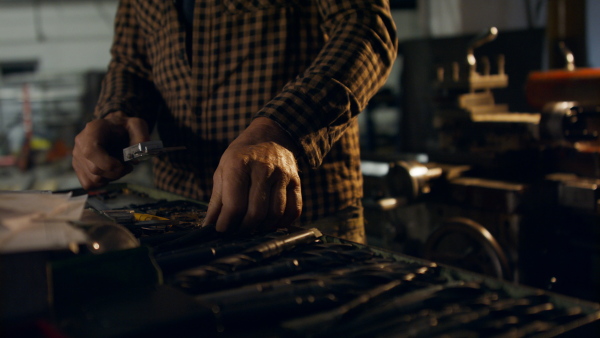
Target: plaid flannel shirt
309 65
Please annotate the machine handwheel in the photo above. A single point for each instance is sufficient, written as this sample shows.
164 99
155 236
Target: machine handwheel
464 243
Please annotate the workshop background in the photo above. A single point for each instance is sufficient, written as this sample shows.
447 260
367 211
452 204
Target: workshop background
431 190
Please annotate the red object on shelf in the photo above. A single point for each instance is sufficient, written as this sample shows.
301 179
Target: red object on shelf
580 85
7 161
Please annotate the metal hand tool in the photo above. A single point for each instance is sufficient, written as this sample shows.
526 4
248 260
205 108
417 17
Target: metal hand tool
145 150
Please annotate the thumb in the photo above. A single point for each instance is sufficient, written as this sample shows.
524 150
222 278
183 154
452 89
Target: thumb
137 129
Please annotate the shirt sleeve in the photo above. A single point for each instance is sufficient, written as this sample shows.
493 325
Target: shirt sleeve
318 106
128 85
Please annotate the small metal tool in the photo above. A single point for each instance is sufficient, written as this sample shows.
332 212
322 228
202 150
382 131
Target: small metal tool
145 150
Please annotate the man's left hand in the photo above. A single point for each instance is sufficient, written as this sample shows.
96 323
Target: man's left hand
256 185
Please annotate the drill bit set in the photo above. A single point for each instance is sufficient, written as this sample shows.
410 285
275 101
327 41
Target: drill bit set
299 282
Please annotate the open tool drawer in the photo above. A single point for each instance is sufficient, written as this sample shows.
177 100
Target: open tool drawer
286 283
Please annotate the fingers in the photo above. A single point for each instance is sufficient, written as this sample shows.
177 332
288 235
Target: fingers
234 203
276 207
95 168
98 162
216 202
264 191
258 199
280 208
229 200
97 154
87 180
293 205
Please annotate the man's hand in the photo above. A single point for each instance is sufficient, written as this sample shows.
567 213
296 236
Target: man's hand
256 185
98 151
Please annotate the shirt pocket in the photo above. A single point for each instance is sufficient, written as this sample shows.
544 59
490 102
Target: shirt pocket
253 5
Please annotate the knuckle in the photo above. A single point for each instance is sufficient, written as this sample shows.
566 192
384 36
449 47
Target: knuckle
94 182
83 148
90 124
76 154
217 176
79 143
244 164
295 180
271 172
78 138
269 168
85 151
94 170
234 165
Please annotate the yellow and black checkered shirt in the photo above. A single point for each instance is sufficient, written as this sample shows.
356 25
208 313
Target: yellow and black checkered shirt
309 65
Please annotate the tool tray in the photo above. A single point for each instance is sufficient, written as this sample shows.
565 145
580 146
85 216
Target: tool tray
185 280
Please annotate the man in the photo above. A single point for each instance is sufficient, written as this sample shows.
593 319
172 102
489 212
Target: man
264 95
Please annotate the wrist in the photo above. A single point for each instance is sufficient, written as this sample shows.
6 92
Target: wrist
114 115
263 129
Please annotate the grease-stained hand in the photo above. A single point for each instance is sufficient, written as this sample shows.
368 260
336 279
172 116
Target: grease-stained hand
98 151
256 185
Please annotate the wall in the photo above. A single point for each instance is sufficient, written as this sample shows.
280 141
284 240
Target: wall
67 36
440 18
74 36
593 32
64 36
456 17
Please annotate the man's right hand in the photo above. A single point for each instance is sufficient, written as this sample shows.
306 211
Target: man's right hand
98 151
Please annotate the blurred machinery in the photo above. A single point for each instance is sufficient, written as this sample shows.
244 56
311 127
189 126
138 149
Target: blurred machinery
513 194
41 114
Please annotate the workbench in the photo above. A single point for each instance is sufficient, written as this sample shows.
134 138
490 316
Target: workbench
185 280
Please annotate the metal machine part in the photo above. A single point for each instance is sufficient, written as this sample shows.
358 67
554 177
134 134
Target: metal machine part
391 186
487 194
404 179
485 37
478 219
574 192
467 117
570 124
569 58
563 85
412 178
464 243
532 181
471 79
